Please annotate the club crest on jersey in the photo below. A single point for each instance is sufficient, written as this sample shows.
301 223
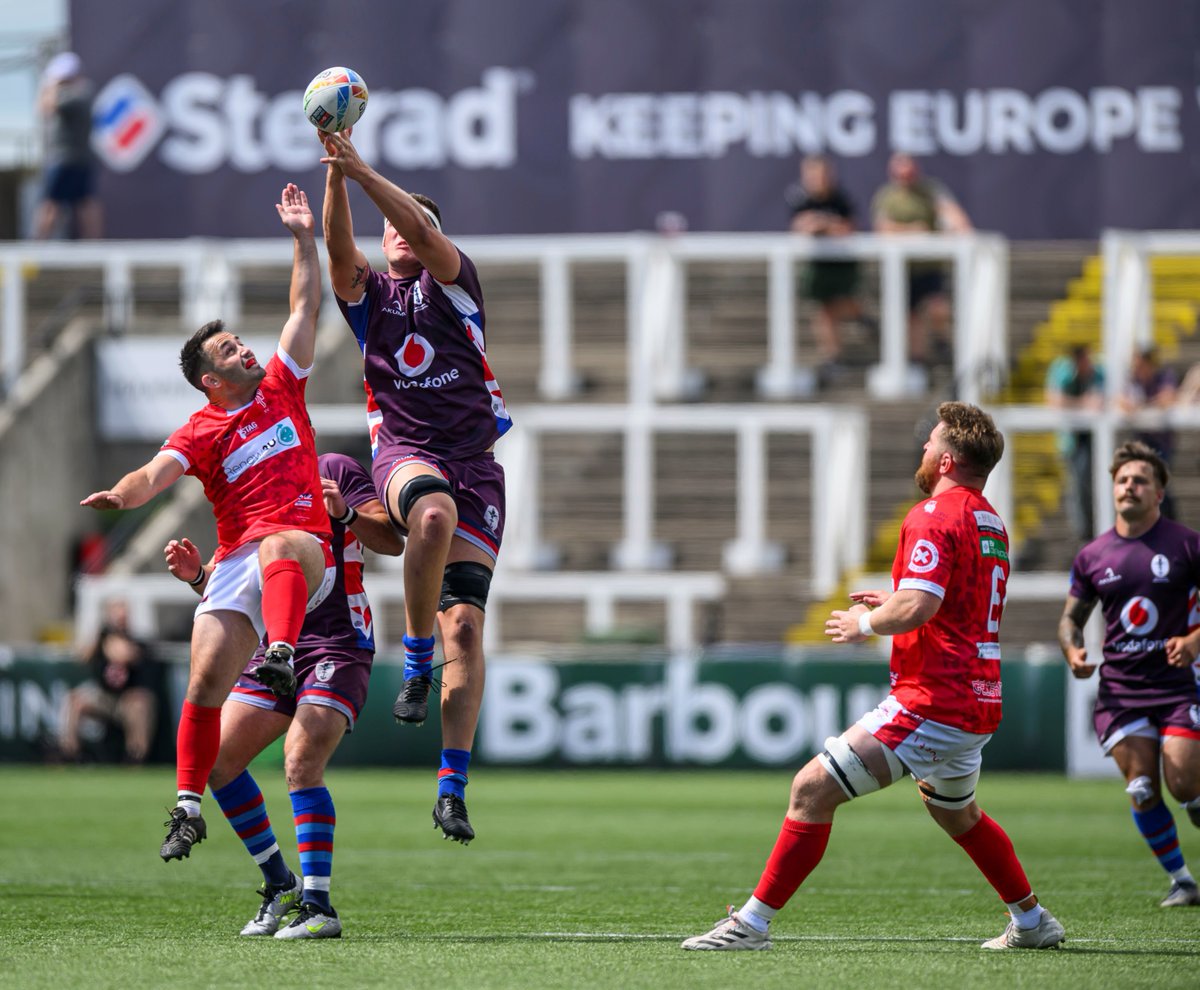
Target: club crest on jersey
1139 615
1160 567
415 355
324 670
924 557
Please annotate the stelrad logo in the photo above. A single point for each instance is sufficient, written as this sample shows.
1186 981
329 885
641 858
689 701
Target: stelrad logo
200 122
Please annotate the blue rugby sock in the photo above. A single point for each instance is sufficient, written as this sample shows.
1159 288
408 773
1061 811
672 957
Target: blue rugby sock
452 777
418 656
315 818
242 802
1158 829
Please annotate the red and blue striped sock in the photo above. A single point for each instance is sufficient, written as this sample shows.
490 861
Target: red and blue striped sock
452 778
418 656
1157 826
242 802
312 808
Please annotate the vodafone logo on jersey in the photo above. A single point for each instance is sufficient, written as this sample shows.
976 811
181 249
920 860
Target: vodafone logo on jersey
415 355
1139 615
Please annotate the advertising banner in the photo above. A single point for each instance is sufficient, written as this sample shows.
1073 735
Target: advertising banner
1045 118
141 393
769 712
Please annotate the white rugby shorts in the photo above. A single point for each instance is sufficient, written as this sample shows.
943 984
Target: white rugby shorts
235 585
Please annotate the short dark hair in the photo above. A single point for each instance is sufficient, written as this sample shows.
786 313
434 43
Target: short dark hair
429 204
1137 450
193 361
972 436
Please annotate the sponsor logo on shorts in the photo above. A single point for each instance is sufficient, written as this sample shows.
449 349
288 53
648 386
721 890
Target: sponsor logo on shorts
924 557
275 440
1139 615
324 670
1160 567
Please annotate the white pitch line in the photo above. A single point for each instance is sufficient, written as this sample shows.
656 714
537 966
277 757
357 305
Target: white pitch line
1071 940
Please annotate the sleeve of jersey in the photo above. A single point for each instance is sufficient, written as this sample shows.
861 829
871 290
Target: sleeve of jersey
358 314
1080 585
352 480
928 558
179 446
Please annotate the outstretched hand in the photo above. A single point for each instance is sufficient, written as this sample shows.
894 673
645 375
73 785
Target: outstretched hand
183 559
104 500
294 211
341 154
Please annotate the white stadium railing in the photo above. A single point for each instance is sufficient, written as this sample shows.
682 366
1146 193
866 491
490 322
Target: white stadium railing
210 274
210 278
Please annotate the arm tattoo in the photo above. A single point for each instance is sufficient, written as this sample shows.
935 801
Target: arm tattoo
360 276
1070 626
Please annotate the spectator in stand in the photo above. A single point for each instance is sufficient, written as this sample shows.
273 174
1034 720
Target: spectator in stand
1151 385
69 187
910 203
1073 381
821 208
122 691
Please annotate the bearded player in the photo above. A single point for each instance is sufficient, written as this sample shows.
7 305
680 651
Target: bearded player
252 447
950 573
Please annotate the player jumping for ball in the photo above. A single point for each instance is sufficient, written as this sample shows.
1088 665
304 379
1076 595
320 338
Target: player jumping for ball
252 446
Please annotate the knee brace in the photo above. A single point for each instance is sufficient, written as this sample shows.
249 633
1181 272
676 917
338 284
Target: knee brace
954 795
417 488
465 582
847 768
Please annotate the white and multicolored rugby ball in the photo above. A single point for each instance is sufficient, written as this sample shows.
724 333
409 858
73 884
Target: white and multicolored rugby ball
335 99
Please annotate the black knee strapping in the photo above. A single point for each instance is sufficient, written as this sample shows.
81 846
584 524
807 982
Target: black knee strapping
466 582
419 487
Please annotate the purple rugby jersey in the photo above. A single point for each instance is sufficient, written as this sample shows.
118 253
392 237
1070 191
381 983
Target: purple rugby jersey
1144 588
425 370
344 618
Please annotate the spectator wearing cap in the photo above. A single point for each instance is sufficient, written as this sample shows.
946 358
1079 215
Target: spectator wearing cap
68 195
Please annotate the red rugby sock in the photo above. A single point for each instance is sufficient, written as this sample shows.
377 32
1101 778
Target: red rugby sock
284 600
992 851
797 852
197 742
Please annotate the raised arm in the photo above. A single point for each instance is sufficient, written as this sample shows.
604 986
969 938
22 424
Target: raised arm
348 266
1070 636
299 336
433 248
139 485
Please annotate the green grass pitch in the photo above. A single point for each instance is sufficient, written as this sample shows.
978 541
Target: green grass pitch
577 879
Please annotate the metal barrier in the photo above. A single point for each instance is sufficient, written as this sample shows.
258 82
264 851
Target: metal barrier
210 271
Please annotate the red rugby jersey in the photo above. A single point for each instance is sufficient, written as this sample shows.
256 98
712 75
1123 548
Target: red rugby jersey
954 546
258 463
